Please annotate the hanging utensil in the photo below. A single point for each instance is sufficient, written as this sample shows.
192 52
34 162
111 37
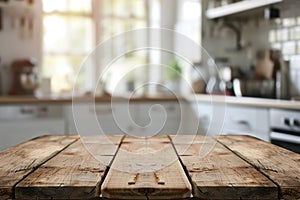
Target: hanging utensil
30 26
22 26
30 18
1 19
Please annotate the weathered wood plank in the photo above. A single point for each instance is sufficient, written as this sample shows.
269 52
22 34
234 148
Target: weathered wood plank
280 165
139 139
146 168
19 161
190 139
73 174
183 144
220 174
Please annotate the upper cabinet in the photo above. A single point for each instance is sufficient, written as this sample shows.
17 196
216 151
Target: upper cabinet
243 7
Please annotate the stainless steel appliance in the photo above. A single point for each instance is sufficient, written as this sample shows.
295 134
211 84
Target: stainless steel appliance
285 129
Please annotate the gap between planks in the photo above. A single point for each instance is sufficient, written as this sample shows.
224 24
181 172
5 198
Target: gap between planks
221 174
75 173
20 161
36 167
279 165
246 160
184 168
132 175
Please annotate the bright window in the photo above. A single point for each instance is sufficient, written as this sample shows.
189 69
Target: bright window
118 16
73 28
68 38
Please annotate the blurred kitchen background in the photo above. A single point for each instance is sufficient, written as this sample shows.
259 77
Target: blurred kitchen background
255 45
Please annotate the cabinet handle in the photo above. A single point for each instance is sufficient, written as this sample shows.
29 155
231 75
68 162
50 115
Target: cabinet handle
43 109
171 108
102 111
26 111
245 123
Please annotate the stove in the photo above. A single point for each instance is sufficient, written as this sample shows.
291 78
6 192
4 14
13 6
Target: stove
285 129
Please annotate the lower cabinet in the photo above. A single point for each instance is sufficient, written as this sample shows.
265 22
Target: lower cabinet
159 118
139 118
211 118
23 122
217 119
102 118
248 121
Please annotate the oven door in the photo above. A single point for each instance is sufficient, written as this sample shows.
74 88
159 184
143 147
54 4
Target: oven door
285 140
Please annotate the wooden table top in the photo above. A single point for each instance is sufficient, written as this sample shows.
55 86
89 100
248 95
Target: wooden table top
159 167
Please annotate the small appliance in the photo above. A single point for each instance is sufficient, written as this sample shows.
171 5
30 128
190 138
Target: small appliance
24 77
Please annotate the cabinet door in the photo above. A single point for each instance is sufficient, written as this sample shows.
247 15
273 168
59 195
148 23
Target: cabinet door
101 118
14 132
247 120
190 123
210 117
157 118
24 122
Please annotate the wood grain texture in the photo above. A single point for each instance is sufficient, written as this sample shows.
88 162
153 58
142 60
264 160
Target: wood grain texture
217 173
183 144
224 167
73 174
146 169
280 165
19 161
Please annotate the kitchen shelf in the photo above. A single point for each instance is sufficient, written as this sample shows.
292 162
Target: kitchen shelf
238 7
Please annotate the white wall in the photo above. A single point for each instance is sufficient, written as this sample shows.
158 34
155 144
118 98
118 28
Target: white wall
13 46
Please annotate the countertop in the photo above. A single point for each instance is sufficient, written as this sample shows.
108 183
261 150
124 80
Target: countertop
62 167
246 101
82 99
201 98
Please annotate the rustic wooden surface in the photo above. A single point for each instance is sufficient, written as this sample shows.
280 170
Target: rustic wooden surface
224 167
19 161
146 169
73 174
217 173
279 165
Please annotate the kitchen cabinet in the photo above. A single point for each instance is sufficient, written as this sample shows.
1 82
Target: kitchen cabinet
210 117
19 123
139 118
154 118
190 124
89 119
216 119
247 120
165 118
204 115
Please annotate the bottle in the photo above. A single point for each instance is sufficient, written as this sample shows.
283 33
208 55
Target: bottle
278 84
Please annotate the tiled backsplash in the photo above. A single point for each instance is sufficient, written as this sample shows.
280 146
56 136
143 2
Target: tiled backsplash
295 75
